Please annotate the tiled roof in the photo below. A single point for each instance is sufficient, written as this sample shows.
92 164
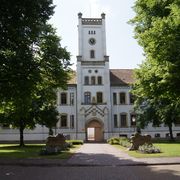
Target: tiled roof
118 77
121 77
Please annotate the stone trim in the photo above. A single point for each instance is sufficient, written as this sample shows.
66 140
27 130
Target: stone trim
93 63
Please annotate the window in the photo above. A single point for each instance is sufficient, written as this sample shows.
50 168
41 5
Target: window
131 98
177 122
114 98
92 54
115 121
122 98
63 121
86 80
123 120
72 121
157 135
87 97
99 80
93 80
71 98
133 120
99 97
63 98
5 126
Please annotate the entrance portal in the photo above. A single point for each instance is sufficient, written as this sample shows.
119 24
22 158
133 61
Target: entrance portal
94 131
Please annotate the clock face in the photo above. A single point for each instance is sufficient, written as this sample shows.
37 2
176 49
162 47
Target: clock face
92 41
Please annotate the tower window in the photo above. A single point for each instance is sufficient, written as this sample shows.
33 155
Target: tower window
93 80
87 97
99 97
86 80
92 54
99 80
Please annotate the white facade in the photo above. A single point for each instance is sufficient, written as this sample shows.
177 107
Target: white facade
98 104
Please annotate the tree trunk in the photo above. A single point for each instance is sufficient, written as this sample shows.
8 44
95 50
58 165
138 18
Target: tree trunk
50 131
21 130
170 132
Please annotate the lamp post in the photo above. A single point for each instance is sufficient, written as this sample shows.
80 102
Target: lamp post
134 121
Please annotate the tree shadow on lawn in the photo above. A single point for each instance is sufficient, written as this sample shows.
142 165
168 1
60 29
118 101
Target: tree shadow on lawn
31 151
15 151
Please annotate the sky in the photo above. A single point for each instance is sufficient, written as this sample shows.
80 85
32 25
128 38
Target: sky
122 49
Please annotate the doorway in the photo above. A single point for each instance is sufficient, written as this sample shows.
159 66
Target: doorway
94 131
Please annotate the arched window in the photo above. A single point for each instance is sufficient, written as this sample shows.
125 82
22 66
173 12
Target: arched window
92 54
86 80
99 79
87 98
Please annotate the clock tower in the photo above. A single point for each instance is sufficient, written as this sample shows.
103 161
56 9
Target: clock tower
93 84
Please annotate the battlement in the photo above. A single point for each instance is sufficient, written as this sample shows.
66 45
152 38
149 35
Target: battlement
91 21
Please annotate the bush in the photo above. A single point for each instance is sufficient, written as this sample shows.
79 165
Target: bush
149 149
75 142
114 140
123 141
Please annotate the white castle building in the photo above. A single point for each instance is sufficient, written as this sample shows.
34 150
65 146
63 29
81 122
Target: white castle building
97 104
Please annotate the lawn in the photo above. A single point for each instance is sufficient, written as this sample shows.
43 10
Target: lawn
31 151
167 150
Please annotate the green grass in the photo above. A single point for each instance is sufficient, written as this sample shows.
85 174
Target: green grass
167 150
31 151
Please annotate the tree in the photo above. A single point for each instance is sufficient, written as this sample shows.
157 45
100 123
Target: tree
32 62
157 29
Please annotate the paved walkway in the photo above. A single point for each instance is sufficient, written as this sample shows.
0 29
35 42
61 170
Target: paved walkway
107 155
94 155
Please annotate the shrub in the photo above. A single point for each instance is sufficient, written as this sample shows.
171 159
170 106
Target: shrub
75 142
113 140
149 149
123 141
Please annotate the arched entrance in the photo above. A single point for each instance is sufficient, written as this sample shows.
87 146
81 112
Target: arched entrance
94 131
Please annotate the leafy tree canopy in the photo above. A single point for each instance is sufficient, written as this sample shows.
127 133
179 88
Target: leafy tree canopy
33 63
157 29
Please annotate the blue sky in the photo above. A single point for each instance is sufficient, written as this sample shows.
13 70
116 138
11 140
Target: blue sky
122 48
